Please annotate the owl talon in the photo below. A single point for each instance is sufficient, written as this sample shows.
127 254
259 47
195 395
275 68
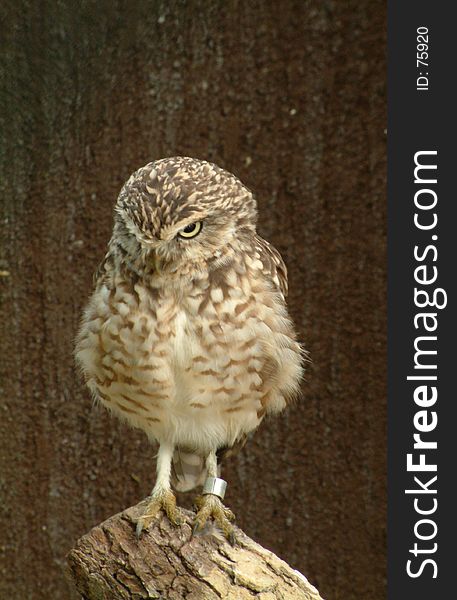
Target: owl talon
208 506
232 538
162 500
198 526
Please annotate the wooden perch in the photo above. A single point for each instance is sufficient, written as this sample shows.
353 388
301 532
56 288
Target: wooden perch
167 562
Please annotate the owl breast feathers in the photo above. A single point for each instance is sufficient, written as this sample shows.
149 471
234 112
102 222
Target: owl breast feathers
186 335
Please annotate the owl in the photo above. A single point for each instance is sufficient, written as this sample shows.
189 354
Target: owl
187 335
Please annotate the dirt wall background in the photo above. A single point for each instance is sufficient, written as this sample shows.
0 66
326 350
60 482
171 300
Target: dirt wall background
289 96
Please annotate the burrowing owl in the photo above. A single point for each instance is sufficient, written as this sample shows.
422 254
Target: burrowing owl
186 335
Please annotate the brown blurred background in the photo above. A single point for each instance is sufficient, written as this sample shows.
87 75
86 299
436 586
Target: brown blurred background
290 96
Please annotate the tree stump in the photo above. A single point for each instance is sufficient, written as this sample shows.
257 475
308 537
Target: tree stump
167 562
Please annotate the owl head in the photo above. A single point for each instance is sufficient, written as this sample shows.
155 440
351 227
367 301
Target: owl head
182 209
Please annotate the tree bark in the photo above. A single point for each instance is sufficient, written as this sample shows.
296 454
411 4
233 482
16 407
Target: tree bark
167 562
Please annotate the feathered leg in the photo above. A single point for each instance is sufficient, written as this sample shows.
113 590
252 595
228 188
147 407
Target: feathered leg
161 498
210 505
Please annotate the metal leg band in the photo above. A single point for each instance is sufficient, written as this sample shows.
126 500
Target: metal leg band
215 486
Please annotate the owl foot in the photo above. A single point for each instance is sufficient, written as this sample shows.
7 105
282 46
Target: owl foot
208 506
160 500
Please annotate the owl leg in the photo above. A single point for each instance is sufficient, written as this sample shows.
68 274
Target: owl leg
210 505
161 498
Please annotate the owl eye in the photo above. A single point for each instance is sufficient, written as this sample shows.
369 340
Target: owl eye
191 230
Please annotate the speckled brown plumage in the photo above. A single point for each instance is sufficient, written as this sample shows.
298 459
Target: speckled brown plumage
186 335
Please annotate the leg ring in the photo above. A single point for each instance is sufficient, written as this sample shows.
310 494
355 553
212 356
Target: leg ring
215 486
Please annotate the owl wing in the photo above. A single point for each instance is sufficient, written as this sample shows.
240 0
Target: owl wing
105 270
273 265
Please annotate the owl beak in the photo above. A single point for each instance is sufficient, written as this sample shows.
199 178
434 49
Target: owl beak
157 262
